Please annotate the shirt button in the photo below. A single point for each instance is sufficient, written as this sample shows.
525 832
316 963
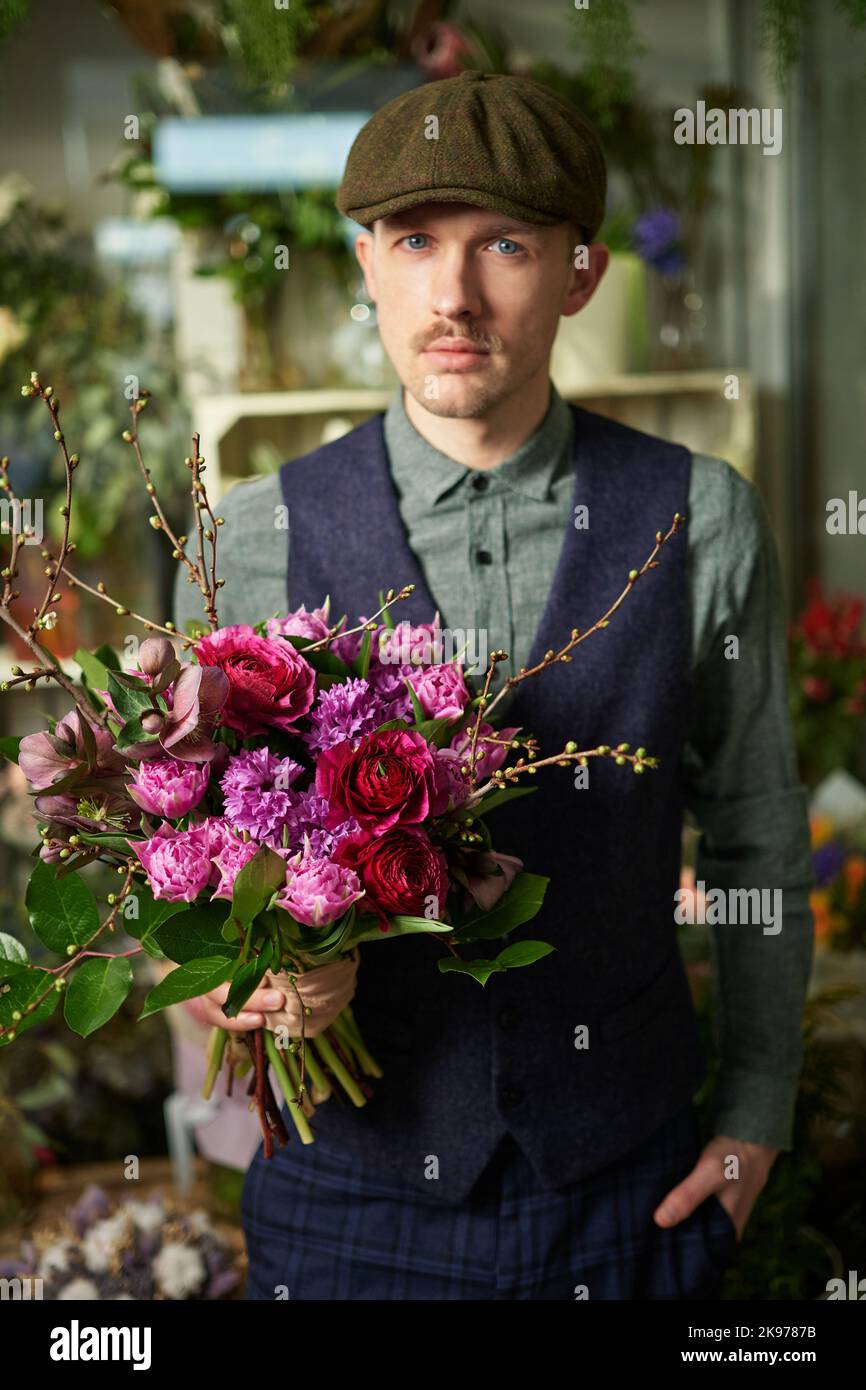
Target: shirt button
511 1095
481 482
508 1016
483 557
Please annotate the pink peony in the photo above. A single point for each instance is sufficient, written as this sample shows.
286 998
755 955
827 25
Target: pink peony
408 645
492 747
301 623
318 891
169 787
177 862
451 788
270 683
441 690
180 863
230 860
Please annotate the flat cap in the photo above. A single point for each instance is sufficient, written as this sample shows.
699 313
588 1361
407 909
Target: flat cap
506 143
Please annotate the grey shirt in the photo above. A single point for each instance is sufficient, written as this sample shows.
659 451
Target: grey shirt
739 774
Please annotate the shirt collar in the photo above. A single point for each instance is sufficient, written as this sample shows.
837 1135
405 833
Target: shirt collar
424 475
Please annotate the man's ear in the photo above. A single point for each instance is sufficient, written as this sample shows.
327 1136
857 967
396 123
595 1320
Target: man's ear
584 280
364 245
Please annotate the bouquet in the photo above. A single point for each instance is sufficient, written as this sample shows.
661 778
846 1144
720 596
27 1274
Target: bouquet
296 789
827 686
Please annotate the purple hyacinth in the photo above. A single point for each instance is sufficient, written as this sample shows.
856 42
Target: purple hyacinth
257 790
347 711
308 816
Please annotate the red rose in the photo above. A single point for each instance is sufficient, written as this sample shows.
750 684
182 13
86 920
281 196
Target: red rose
400 871
388 779
270 683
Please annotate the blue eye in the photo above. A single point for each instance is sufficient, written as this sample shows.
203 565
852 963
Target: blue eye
507 241
413 235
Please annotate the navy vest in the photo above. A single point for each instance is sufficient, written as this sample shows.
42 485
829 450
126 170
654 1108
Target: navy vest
464 1064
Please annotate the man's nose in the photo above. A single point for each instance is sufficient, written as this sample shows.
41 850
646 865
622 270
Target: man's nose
454 289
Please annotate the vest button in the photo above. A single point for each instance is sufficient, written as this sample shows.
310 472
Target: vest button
483 557
508 1016
511 1095
481 482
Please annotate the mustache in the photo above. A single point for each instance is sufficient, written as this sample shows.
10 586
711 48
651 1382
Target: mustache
490 341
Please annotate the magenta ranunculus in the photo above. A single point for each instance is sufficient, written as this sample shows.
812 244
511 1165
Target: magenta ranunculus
318 891
492 748
441 689
388 779
169 787
402 872
270 683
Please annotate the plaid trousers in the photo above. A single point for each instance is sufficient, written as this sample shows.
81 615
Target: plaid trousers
320 1226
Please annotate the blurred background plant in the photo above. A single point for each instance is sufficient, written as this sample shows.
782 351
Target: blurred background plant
827 665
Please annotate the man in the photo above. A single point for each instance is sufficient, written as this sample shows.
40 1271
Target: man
538 1138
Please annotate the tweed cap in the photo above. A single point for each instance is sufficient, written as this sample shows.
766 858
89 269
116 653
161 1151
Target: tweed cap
505 143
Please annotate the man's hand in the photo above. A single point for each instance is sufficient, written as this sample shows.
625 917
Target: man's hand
737 1195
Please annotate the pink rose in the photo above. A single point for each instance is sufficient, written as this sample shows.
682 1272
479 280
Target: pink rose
270 683
177 862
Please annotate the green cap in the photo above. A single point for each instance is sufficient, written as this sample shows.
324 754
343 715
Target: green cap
506 143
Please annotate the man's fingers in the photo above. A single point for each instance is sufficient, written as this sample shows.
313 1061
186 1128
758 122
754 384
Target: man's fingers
682 1200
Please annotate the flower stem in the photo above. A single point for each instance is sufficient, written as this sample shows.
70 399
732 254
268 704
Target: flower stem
348 1032
295 1110
325 1049
216 1050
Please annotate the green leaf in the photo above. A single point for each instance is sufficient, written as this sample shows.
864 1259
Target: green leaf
480 970
11 949
131 703
151 912
95 993
9 747
13 956
417 707
246 980
361 664
322 660
524 953
387 616
62 912
112 841
256 884
439 731
188 981
134 732
23 989
195 934
393 724
498 797
518 904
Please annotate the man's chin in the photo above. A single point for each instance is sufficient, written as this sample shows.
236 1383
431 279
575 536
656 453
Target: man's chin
459 396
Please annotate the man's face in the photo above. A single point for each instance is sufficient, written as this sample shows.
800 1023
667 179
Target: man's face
469 301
